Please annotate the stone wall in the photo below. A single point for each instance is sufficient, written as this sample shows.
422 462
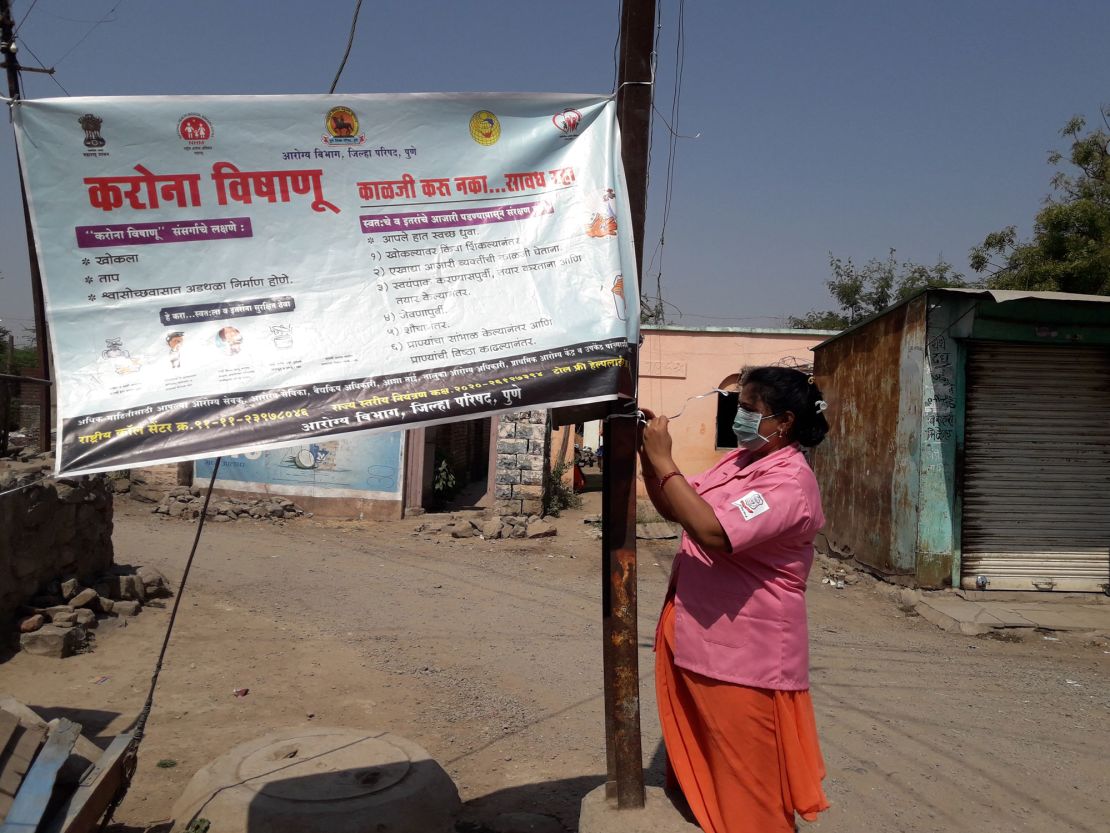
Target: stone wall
522 451
56 529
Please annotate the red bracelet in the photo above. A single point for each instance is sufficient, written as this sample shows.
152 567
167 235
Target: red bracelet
663 480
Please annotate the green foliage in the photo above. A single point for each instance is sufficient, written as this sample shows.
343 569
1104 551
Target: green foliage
23 355
1070 247
863 291
444 483
560 496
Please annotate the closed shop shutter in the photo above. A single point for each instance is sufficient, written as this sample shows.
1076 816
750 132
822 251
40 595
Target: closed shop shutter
1036 500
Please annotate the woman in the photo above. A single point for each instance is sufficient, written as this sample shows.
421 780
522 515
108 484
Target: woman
732 656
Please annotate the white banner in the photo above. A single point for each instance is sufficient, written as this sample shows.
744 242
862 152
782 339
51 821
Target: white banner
224 273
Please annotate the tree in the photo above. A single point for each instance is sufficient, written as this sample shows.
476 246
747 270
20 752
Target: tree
23 355
1070 247
863 291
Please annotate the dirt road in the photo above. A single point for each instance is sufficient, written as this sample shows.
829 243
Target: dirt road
488 655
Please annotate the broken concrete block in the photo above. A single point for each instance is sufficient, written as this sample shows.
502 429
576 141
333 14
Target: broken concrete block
540 529
53 641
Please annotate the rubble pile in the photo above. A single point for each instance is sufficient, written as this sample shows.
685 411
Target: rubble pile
188 502
490 528
57 622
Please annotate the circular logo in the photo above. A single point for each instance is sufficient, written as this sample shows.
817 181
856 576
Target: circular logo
194 128
567 121
485 129
341 122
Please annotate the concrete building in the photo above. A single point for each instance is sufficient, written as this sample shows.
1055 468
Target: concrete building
970 441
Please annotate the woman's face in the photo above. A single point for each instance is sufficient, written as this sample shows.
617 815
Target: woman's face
775 427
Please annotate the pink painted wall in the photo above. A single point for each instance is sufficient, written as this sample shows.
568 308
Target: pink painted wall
675 364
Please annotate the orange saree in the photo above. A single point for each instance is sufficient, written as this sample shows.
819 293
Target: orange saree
746 759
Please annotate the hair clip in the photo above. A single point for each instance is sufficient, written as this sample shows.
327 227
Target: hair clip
821 405
810 379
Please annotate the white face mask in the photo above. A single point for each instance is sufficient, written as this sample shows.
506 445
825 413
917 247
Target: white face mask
746 428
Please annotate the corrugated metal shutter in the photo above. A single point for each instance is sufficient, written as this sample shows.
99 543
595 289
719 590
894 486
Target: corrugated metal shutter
1036 502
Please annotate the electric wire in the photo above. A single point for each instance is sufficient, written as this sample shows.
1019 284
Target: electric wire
106 19
26 485
25 16
350 43
673 135
38 60
138 728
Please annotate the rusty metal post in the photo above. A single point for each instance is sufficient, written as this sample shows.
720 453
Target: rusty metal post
12 68
624 756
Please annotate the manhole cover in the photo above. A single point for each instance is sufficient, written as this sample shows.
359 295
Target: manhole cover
330 766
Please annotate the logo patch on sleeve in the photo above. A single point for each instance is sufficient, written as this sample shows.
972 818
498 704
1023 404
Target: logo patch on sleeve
751 504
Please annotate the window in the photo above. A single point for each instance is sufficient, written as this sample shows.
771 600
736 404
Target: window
726 412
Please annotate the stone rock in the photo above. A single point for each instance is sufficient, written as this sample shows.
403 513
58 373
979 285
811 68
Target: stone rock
175 509
53 641
121 485
276 510
157 586
85 618
70 588
181 491
526 823
290 514
64 617
145 494
491 529
221 519
83 599
196 491
463 529
32 623
540 529
127 608
908 599
519 531
105 604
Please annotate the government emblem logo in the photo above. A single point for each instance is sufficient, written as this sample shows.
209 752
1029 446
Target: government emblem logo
485 129
91 125
342 126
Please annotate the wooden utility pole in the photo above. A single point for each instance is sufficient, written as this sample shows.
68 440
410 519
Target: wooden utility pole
625 780
9 51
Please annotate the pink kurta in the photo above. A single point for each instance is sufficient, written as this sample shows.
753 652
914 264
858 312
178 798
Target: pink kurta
740 616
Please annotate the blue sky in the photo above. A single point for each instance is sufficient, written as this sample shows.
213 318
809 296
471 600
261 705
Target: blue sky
847 127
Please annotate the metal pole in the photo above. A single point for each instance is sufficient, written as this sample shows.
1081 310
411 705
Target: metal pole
11 65
624 755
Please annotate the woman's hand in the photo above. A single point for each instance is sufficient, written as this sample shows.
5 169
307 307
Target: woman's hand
656 440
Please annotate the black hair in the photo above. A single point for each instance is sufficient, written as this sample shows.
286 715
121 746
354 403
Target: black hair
785 389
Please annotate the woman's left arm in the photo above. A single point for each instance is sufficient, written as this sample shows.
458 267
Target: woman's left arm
687 506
